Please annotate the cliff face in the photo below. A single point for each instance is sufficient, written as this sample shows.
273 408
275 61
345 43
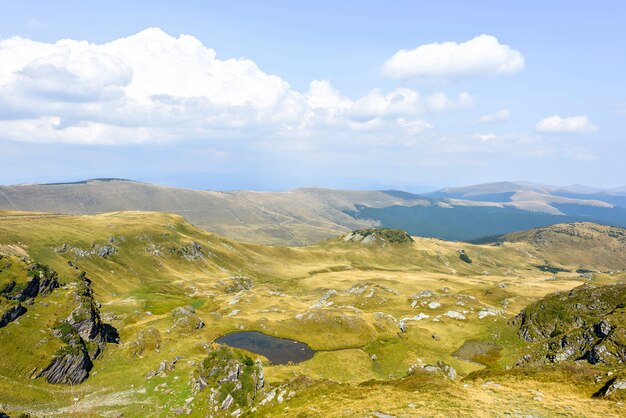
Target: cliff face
11 314
69 368
84 335
23 283
42 282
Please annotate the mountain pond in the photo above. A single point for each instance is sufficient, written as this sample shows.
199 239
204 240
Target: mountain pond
276 350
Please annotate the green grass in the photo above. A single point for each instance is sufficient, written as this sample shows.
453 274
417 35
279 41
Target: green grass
371 288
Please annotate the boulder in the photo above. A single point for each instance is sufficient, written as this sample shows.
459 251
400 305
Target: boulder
11 315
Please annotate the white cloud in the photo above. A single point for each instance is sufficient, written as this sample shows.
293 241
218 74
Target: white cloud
572 124
498 116
482 55
153 87
149 63
439 102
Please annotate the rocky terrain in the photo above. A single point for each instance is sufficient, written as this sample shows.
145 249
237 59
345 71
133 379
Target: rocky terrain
118 313
586 323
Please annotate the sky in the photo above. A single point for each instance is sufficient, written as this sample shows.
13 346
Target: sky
273 95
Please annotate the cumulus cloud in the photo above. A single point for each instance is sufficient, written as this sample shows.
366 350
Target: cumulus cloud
153 87
498 116
482 55
560 125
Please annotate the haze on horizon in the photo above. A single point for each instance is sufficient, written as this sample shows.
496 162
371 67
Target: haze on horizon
280 95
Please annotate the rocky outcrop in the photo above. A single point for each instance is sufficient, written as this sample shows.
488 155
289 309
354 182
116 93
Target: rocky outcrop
464 257
236 284
441 368
587 323
101 250
192 252
85 319
186 320
70 368
380 236
560 312
232 380
42 282
164 368
11 314
84 335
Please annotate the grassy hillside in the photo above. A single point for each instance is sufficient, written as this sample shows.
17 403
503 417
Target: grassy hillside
377 312
578 246
296 217
308 215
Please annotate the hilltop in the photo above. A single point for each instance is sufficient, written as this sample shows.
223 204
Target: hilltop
580 245
308 215
378 236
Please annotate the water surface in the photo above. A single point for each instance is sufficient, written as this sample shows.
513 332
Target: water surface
277 350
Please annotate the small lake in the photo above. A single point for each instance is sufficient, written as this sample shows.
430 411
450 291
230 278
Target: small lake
276 350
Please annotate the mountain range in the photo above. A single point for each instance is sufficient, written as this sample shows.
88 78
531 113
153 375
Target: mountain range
307 215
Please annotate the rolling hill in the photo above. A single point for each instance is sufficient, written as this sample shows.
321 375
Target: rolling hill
117 313
307 215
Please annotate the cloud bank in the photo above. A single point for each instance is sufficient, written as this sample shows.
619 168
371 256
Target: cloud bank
153 87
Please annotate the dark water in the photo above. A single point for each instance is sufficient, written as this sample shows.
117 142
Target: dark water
276 350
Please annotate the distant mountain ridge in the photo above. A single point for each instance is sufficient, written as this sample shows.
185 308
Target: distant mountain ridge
307 215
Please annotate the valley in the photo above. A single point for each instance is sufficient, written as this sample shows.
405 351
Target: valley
306 216
390 317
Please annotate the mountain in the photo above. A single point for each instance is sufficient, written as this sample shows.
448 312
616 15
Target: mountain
307 215
581 245
619 190
295 217
120 313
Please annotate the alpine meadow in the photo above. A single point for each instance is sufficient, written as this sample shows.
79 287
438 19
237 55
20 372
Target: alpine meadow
325 209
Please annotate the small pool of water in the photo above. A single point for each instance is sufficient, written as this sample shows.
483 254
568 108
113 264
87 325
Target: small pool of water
277 350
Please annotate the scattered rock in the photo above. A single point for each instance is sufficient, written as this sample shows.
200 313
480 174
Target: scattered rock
236 284
488 311
434 305
455 315
192 252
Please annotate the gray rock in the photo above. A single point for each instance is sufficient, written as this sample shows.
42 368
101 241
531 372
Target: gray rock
70 368
192 252
183 311
11 315
228 401
612 387
602 329
105 250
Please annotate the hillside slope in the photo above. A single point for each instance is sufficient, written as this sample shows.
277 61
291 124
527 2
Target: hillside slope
304 216
385 314
296 217
581 245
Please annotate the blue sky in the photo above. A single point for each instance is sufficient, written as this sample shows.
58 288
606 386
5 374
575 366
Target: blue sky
278 94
